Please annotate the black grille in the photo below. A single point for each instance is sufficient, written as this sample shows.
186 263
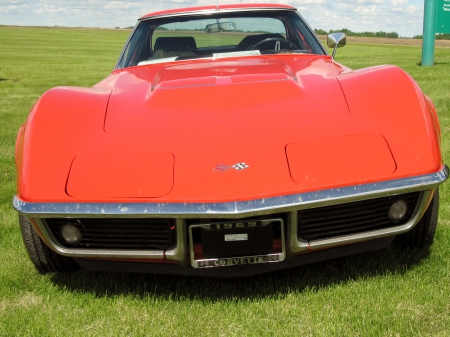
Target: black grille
351 218
136 234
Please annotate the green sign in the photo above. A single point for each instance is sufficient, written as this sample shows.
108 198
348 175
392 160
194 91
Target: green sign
443 17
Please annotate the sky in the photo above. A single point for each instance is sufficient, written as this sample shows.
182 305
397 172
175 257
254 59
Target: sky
402 16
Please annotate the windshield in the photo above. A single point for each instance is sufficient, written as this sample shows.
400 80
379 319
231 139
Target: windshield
218 35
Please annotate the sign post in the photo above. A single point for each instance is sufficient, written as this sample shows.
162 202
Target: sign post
436 19
429 31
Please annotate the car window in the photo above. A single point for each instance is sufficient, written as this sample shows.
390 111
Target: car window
202 36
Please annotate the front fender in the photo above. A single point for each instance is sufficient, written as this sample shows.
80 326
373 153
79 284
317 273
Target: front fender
51 132
390 101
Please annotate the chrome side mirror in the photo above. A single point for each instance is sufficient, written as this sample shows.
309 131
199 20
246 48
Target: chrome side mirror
336 40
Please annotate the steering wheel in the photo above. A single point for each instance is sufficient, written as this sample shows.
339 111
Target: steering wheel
274 39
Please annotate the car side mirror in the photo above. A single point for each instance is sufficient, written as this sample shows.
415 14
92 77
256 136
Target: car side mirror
336 40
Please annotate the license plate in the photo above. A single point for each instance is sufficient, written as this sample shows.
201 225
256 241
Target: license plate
236 237
233 243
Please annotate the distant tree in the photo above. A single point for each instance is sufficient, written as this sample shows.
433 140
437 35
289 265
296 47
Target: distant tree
348 32
320 32
258 31
437 37
442 36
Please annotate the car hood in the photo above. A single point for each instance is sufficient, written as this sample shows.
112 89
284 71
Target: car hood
236 129
224 95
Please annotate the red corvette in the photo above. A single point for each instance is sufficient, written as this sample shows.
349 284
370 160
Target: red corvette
227 142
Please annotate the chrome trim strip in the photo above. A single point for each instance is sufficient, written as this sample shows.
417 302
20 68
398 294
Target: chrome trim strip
215 11
53 243
295 245
179 253
298 246
125 47
234 209
313 34
418 212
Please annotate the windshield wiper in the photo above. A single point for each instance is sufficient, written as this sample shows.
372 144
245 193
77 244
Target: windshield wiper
285 51
193 57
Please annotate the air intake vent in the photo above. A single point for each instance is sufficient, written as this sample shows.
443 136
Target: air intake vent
145 234
351 218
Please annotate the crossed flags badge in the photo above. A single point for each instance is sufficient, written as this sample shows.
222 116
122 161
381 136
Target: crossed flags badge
237 166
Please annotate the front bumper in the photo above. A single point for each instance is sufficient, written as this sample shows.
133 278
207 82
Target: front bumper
288 205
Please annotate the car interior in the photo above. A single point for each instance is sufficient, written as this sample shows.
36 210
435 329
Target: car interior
192 38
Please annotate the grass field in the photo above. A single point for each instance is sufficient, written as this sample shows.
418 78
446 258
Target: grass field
386 293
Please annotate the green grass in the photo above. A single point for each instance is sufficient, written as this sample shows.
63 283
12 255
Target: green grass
386 293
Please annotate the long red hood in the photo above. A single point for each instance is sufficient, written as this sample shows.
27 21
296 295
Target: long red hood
173 132
224 113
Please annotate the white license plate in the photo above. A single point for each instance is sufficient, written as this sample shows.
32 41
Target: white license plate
236 237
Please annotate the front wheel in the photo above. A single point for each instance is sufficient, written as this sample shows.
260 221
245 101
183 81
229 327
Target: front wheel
45 259
422 234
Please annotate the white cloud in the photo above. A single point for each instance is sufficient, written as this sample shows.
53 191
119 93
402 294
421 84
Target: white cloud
402 16
414 10
399 2
308 2
365 2
371 10
119 5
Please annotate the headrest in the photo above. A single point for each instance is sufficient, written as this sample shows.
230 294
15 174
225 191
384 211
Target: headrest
184 43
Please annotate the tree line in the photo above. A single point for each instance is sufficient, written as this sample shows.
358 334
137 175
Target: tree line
392 35
437 37
348 32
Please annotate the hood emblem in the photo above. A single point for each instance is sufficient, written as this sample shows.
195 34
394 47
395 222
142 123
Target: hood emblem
223 167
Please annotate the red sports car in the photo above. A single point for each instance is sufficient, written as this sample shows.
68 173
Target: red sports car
227 142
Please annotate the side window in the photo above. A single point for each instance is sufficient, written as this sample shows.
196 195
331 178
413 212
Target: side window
138 48
304 35
304 44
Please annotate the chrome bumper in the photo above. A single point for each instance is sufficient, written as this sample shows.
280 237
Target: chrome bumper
233 210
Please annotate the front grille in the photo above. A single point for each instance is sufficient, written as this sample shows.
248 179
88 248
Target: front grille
137 234
351 218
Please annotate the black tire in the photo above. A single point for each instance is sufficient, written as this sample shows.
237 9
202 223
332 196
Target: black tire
422 235
45 260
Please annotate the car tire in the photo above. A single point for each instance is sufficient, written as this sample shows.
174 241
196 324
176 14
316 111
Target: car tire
45 260
422 235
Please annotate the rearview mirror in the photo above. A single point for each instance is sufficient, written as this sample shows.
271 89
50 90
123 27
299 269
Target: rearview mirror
336 40
220 27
